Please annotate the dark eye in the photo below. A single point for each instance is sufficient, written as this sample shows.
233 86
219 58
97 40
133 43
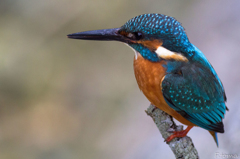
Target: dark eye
138 35
135 35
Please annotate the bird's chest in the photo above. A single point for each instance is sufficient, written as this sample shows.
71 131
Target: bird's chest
149 76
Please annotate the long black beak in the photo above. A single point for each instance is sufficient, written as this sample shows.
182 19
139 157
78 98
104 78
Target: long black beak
104 35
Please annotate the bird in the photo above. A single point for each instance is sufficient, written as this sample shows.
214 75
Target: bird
173 74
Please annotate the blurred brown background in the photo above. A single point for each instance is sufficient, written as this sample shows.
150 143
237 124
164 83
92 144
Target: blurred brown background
63 98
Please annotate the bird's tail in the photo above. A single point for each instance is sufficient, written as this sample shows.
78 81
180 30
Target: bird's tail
214 135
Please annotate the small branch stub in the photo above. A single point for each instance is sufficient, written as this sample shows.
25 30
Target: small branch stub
182 148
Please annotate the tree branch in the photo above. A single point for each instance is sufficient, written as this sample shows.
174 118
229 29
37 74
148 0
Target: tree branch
182 148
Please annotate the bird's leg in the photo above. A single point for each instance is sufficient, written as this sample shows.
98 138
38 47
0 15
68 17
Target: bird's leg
179 133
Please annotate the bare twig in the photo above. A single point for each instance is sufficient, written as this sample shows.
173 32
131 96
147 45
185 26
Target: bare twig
182 148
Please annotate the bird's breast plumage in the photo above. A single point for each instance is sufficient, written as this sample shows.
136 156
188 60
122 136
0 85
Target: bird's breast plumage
149 76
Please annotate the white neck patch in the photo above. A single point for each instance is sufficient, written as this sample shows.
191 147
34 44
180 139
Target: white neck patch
135 52
167 54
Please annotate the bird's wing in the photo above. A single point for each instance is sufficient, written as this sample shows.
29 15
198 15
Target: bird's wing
196 94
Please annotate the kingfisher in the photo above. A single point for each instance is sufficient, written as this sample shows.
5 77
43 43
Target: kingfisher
172 73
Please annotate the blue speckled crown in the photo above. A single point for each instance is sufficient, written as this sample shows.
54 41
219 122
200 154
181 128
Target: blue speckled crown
162 27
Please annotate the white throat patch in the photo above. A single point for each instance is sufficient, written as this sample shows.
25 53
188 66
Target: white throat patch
167 54
135 52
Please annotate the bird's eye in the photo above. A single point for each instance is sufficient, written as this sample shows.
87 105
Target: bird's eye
135 35
138 35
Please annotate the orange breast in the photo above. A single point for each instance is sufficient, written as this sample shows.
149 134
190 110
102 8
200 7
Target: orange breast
149 76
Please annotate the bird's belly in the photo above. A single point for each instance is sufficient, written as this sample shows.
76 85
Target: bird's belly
149 76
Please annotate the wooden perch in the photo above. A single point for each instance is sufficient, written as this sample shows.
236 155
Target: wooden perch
182 148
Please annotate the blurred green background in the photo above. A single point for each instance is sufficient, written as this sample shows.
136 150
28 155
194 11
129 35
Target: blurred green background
63 98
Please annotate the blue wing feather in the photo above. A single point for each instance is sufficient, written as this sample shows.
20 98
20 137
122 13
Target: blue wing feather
197 94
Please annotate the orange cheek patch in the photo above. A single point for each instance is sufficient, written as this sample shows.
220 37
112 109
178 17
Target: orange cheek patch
151 44
123 33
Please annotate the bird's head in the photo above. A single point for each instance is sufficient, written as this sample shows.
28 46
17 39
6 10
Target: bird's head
154 36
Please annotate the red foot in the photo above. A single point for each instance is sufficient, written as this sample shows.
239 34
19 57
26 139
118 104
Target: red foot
179 133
